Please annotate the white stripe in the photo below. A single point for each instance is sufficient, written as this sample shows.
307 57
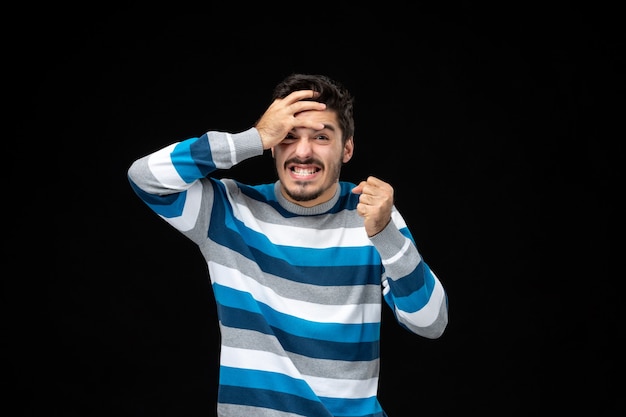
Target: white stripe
187 220
342 388
259 360
320 313
284 235
271 362
427 314
231 146
400 254
385 285
161 166
397 219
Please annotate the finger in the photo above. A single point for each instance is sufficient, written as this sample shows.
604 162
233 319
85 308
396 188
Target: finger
364 187
359 188
367 189
377 186
369 199
376 182
308 124
307 105
364 200
300 95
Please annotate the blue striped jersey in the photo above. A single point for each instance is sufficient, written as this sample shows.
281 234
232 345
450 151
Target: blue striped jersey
298 290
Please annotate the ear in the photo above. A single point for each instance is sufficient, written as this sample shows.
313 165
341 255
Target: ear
348 149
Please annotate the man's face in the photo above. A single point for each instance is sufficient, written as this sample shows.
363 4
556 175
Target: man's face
308 162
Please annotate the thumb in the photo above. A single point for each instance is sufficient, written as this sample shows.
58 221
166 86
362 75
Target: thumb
358 189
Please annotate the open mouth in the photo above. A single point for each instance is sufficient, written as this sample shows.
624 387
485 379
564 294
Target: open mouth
303 171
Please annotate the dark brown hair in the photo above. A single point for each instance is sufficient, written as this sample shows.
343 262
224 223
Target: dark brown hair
336 97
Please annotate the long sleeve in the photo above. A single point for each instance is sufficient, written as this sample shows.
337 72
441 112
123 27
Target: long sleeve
410 287
167 180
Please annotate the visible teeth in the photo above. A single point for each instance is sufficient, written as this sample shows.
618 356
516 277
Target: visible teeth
301 171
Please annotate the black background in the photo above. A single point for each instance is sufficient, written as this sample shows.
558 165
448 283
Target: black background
500 129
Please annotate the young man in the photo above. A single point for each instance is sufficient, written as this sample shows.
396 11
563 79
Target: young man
299 267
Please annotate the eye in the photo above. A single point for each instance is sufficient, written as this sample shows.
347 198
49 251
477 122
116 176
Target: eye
290 137
322 137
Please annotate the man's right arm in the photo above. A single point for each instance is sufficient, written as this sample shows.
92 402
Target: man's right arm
167 180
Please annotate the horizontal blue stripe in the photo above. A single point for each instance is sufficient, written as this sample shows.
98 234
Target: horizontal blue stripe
334 332
289 403
262 192
305 346
342 266
414 281
413 302
202 155
353 407
184 163
192 158
227 229
303 256
251 378
314 348
346 275
243 319
265 398
168 206
337 332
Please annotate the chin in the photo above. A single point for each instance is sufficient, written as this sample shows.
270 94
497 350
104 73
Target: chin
301 193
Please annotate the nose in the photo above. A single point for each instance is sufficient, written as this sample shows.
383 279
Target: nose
303 147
